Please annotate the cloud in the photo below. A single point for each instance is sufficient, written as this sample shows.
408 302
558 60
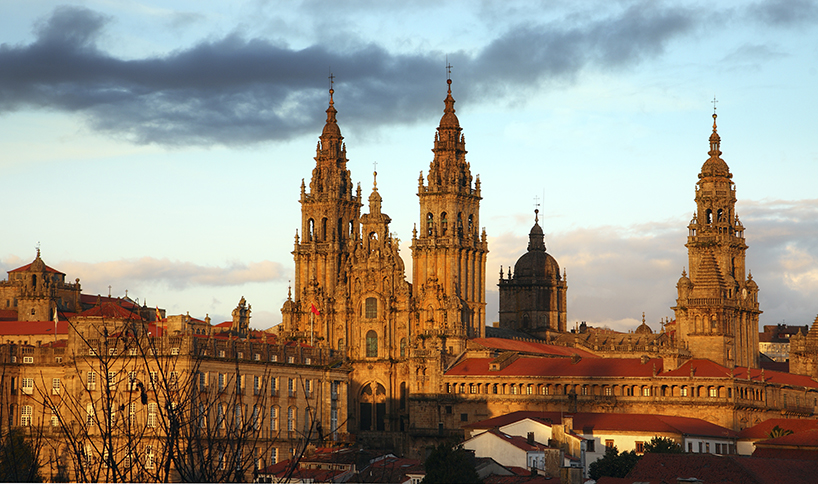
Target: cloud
149 271
239 91
615 273
784 13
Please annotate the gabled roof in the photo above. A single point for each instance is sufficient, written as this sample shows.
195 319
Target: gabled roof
8 315
806 438
762 430
33 328
615 422
27 267
530 347
93 299
515 440
110 310
535 366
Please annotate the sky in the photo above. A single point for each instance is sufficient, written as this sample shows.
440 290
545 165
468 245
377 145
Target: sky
158 147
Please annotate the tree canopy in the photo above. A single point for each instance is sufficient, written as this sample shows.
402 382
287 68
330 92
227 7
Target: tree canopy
663 445
613 464
448 464
19 461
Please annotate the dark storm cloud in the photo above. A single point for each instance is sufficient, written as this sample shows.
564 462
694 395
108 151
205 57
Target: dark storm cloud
240 91
783 13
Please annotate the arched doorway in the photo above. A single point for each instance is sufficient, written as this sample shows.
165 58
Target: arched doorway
373 407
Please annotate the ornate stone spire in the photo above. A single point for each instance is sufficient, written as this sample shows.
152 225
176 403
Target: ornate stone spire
715 166
449 170
375 198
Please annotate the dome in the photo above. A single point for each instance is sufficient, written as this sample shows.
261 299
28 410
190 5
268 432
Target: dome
331 129
449 119
715 167
684 281
643 329
536 265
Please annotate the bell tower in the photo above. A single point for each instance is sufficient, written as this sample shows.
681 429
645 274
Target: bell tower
330 223
717 305
449 251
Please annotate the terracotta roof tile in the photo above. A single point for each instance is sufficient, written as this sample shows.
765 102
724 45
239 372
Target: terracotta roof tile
717 469
28 266
762 430
709 369
39 328
623 422
110 310
805 438
530 347
534 366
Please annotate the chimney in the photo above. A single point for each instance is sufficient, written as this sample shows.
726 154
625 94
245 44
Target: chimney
568 423
530 438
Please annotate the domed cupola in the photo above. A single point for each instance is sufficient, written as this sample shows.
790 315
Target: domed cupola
536 264
533 295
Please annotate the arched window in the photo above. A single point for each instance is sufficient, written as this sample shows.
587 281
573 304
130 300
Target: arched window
444 223
459 224
371 308
291 419
471 223
719 215
430 223
324 233
371 344
709 215
403 347
310 230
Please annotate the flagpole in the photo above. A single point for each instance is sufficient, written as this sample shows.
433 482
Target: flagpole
312 334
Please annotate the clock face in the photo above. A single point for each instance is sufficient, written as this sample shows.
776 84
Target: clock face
744 293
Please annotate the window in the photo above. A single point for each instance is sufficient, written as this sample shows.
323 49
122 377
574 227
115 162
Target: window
112 351
707 447
132 414
584 390
25 415
221 382
403 347
607 391
149 458
202 381
371 310
690 447
291 387
609 443
174 351
449 409
371 344
28 386
464 417
718 448
237 422
273 358
89 414
273 386
111 379
174 378
307 360
640 447
472 388
646 391
589 446
256 385
514 390
529 390
273 456
291 419
152 410
154 379
274 419
684 391
256 419
220 416
131 380
202 416
257 357
55 418
132 352
221 353
28 359
307 388
240 355
713 392
92 380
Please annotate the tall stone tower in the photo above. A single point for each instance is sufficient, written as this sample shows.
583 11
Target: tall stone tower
717 306
533 296
449 251
330 221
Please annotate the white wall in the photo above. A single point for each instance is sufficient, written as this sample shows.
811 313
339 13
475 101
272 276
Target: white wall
504 453
542 432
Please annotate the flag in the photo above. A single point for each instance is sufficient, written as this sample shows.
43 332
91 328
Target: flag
56 317
314 310
158 314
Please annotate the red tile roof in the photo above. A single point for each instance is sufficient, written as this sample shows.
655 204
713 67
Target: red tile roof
762 430
535 366
33 328
8 315
28 266
620 422
93 299
709 369
806 438
530 347
111 310
717 469
516 441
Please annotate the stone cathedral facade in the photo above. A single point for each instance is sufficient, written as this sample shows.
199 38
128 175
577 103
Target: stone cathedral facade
351 294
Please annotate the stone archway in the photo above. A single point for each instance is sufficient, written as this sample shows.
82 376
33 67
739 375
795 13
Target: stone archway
372 407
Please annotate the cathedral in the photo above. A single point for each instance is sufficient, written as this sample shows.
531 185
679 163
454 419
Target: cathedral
421 362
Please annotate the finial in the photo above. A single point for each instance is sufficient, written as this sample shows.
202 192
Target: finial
289 289
714 101
331 90
449 74
684 271
643 317
375 176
